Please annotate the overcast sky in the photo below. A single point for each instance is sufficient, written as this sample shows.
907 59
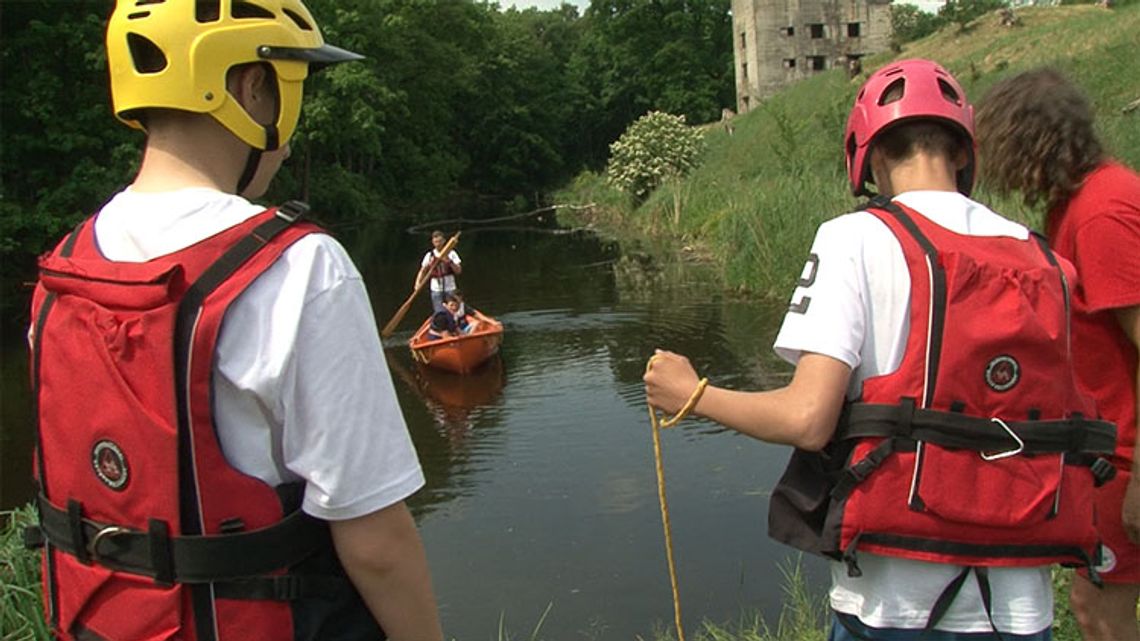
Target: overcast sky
928 5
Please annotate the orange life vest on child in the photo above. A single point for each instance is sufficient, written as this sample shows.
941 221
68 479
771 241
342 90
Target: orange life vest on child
148 532
979 450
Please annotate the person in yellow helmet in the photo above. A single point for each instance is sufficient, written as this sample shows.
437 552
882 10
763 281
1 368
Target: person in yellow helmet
221 454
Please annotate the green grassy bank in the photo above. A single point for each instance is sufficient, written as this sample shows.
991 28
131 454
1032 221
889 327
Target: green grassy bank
754 203
804 616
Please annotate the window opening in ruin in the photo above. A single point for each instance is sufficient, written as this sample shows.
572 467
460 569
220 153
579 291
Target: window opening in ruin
788 31
816 30
789 63
744 70
817 63
853 30
742 41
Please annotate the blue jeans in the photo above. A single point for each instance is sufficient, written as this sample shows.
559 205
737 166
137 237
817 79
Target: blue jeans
437 301
843 626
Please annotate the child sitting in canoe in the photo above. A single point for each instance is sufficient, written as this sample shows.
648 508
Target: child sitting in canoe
442 326
465 319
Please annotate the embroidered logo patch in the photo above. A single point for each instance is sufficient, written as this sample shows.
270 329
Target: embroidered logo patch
1002 373
110 464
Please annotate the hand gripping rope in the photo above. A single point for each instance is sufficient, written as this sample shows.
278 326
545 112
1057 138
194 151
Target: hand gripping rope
659 424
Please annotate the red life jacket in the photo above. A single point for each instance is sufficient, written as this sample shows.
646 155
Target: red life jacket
977 450
148 532
442 267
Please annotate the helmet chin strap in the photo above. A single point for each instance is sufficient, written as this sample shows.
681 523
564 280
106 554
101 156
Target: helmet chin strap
253 160
247 174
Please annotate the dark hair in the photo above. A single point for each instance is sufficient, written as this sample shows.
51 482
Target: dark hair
1037 137
903 140
442 321
437 232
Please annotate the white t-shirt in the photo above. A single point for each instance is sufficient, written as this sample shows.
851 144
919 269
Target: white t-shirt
447 283
857 314
301 387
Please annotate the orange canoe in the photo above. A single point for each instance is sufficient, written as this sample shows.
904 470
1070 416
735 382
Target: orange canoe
459 354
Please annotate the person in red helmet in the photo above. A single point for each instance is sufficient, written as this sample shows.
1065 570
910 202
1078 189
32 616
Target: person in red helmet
220 455
1039 138
944 456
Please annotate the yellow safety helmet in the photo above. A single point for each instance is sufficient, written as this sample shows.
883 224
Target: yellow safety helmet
174 54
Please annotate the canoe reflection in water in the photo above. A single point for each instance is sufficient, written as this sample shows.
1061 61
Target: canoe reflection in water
453 398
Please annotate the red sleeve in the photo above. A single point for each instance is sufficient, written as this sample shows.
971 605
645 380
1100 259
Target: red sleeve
1108 260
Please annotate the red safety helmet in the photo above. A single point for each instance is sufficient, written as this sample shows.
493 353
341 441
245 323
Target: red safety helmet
928 91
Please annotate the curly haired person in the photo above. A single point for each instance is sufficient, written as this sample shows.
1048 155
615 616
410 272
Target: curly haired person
1038 138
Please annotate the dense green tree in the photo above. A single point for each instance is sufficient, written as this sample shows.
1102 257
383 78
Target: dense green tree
62 149
455 96
909 23
641 55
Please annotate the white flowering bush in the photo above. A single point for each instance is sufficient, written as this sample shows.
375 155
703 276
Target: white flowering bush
657 148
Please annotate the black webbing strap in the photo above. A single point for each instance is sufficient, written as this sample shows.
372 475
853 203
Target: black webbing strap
252 161
74 517
938 295
1078 435
1043 245
942 605
977 550
184 559
851 558
854 474
188 310
284 587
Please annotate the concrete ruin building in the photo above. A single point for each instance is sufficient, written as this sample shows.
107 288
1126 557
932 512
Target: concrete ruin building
777 42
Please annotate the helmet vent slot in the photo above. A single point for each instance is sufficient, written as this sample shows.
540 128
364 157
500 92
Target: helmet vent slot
207 10
145 55
143 3
242 10
301 22
949 93
893 93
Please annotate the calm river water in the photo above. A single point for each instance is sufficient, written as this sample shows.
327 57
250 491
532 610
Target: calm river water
541 491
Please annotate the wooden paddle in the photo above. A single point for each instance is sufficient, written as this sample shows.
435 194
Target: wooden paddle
400 313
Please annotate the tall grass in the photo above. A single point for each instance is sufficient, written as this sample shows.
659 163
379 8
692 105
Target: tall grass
21 610
758 196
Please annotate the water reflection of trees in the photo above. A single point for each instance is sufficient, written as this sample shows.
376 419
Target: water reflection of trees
446 417
726 336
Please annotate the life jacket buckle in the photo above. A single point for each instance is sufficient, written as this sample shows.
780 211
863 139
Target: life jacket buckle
1102 471
105 533
292 210
1007 453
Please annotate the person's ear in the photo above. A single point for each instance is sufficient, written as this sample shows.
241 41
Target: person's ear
961 159
250 87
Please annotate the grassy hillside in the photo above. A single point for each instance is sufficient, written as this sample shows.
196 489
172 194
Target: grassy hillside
755 201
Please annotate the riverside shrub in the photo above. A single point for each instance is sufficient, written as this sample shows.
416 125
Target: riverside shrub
656 148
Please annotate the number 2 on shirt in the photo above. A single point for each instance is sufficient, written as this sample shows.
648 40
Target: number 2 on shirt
807 279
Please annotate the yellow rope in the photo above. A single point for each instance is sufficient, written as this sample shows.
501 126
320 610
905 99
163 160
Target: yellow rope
658 425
